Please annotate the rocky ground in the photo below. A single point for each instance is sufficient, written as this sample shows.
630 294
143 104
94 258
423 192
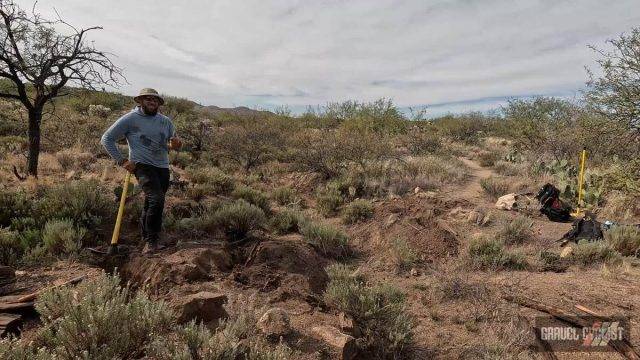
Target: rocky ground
459 312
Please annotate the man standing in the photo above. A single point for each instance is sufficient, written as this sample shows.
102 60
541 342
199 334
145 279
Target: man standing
150 135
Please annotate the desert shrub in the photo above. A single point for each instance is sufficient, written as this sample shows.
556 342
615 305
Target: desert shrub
287 221
11 144
81 100
403 256
378 311
490 254
237 219
621 205
252 196
10 248
438 170
516 231
329 240
212 179
235 338
466 128
422 142
250 142
587 253
451 285
550 261
83 202
488 158
329 200
285 196
61 236
180 159
380 116
13 205
98 320
357 210
74 158
317 151
624 239
363 149
506 168
494 187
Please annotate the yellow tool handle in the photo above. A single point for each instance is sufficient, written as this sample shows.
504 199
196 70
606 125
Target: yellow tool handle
123 198
583 159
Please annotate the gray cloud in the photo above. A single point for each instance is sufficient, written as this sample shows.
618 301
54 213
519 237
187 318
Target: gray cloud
455 55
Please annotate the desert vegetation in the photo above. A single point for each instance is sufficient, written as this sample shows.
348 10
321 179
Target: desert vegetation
352 216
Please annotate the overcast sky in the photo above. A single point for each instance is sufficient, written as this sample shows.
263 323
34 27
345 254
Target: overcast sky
449 55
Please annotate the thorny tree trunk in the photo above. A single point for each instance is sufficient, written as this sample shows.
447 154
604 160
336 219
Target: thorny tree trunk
35 117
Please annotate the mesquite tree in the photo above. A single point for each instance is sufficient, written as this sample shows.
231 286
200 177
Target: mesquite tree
39 64
616 92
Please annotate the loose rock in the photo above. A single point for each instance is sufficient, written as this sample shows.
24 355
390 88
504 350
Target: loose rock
203 306
343 343
275 322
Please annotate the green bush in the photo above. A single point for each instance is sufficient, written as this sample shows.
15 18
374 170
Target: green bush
235 338
253 197
490 254
13 205
587 253
494 187
624 239
99 320
10 247
327 239
287 221
378 311
357 210
214 180
403 255
83 202
422 142
285 196
329 201
237 219
516 231
60 236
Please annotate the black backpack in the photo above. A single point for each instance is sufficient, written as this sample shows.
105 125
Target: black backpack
587 228
552 206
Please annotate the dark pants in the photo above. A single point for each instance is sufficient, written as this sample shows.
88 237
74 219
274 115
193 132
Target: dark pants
155 183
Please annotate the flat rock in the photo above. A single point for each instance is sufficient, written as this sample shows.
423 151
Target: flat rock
343 343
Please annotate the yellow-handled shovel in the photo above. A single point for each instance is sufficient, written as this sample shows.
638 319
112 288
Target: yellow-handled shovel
113 247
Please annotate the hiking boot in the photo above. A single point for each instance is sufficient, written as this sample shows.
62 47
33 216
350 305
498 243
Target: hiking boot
149 248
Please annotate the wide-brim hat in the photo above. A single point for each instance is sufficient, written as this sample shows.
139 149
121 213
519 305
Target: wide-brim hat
149 92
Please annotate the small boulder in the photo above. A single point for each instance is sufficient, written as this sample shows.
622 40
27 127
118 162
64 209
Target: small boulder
275 323
203 306
343 343
566 252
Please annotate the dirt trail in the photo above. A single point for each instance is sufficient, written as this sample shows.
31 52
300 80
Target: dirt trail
471 191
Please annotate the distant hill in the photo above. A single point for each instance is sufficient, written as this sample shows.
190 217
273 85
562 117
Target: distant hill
242 111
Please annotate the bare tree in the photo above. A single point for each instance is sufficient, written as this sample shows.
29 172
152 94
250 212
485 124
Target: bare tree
39 64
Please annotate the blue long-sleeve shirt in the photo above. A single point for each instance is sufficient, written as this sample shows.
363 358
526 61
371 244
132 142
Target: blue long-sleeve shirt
147 136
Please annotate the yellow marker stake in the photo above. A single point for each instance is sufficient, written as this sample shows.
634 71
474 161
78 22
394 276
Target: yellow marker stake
123 198
583 159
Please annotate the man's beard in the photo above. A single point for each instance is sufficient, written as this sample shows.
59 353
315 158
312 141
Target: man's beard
149 111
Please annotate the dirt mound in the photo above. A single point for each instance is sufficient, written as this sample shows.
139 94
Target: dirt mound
163 271
289 266
418 219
